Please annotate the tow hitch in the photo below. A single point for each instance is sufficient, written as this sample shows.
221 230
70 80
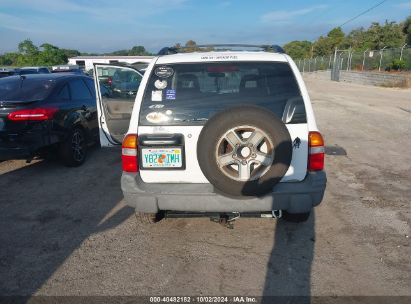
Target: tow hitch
226 219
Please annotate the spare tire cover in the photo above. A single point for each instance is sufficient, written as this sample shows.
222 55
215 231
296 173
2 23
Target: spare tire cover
244 150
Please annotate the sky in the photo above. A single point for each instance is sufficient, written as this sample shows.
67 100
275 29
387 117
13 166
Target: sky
108 25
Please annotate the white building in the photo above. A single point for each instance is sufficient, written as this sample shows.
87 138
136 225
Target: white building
86 62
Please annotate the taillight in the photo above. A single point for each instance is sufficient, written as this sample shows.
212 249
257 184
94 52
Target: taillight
110 81
37 114
129 153
316 151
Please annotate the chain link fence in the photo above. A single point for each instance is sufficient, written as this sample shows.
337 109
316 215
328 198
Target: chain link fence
315 64
394 59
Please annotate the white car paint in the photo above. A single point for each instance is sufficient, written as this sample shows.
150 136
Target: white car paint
193 173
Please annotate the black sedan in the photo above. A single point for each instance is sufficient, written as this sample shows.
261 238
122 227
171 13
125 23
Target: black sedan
47 112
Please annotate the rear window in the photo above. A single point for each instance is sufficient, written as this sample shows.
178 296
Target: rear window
183 94
25 89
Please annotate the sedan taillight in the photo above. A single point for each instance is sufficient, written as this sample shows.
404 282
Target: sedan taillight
37 114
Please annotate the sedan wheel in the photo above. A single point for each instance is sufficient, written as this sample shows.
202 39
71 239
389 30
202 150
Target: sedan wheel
73 150
77 145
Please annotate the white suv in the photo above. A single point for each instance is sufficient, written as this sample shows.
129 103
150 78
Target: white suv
229 132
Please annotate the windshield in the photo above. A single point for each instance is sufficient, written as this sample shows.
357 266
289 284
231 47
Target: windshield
25 89
191 93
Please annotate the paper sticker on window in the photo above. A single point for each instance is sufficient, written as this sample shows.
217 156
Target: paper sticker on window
156 95
170 94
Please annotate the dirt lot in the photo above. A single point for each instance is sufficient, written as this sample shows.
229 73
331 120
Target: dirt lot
67 232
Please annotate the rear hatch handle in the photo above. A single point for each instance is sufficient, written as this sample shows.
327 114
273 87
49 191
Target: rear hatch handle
161 139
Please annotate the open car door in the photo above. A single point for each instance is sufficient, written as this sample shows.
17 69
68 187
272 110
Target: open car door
116 90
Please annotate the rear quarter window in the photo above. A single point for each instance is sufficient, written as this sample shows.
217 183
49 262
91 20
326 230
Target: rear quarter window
187 94
79 90
64 94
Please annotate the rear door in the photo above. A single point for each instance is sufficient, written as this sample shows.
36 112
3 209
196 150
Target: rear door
116 89
181 97
83 101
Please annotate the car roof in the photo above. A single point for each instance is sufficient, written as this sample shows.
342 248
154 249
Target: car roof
221 56
31 68
50 76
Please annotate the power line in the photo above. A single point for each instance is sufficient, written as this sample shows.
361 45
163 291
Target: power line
363 13
359 15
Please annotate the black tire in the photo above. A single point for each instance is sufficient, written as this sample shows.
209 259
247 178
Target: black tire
296 217
148 218
263 120
73 151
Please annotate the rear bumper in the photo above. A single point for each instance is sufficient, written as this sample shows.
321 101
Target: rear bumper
14 153
296 197
22 146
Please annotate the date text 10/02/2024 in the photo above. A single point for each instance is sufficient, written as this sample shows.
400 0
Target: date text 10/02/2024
204 299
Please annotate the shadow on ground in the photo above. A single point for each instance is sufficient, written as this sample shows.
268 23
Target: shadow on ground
289 266
48 210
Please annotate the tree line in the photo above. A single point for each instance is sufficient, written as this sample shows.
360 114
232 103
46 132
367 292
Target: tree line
46 54
375 37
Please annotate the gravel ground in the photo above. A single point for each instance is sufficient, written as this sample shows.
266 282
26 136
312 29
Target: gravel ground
67 232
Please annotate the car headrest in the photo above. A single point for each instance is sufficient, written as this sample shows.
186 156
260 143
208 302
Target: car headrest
249 82
188 82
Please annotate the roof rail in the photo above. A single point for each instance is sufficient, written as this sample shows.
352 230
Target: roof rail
265 47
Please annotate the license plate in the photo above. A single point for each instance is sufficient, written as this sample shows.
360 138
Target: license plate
161 158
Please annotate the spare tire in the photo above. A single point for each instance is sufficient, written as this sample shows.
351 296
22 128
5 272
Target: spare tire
244 151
